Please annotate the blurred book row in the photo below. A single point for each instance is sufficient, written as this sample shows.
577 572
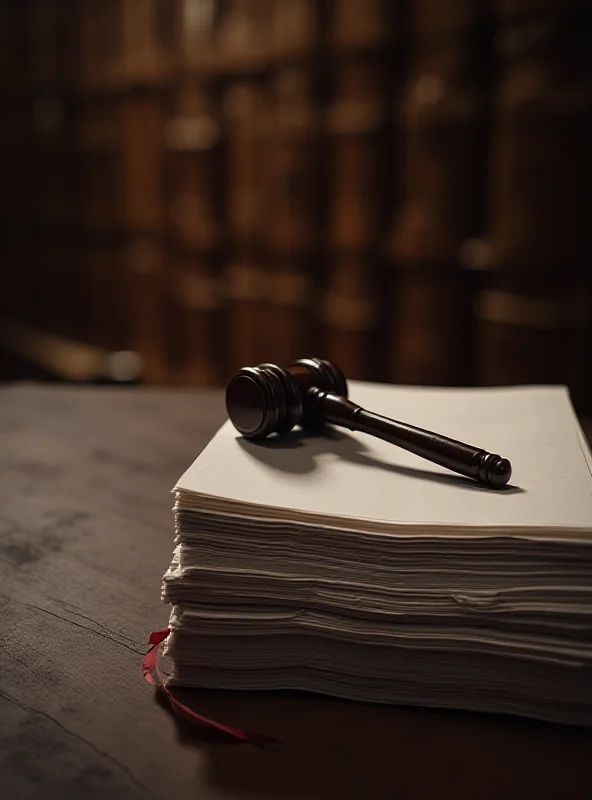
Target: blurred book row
403 187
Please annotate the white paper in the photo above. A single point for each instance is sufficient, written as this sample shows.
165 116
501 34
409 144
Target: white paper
348 476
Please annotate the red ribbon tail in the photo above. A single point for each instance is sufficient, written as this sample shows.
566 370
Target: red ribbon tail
150 660
153 676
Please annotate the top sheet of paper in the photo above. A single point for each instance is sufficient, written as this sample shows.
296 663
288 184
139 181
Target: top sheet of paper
351 475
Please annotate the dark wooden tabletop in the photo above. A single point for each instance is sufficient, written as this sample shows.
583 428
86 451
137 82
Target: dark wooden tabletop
85 535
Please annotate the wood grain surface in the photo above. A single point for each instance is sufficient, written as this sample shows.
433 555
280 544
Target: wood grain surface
85 534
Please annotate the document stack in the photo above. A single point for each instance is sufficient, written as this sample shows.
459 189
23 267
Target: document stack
340 564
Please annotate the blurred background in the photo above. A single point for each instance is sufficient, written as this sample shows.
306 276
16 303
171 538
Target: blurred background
192 186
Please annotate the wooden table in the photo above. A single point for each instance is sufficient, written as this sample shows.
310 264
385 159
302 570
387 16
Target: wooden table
85 535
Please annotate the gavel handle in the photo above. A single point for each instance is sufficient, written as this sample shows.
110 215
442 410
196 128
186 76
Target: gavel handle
473 462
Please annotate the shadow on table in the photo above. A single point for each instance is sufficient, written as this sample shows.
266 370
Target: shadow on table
338 749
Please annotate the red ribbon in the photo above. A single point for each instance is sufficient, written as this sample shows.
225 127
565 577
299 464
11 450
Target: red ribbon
152 674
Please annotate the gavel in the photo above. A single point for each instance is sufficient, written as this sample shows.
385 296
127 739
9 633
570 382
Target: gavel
268 399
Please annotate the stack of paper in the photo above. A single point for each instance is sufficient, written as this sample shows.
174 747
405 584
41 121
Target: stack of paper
342 564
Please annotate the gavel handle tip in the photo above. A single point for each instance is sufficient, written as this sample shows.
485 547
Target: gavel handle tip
495 471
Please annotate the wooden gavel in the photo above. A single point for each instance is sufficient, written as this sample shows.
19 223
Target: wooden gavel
267 399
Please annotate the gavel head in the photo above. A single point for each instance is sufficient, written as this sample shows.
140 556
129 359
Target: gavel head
267 399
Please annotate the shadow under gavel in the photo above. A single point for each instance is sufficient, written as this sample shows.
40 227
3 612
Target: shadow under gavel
310 392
